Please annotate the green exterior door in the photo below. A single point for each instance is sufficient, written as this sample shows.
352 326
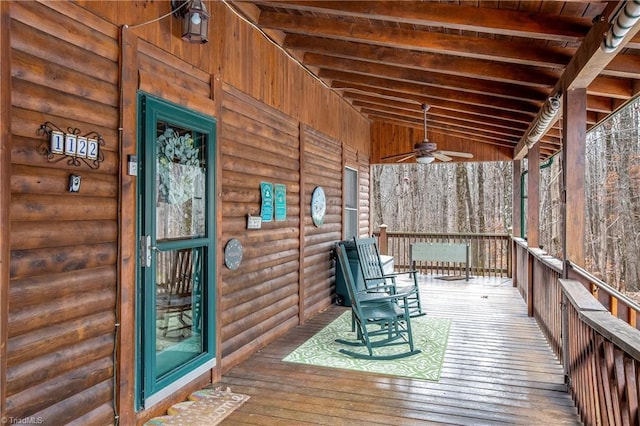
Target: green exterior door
176 288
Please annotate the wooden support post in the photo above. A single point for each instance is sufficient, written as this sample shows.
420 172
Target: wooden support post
533 217
573 162
217 94
516 220
517 198
533 197
383 242
127 233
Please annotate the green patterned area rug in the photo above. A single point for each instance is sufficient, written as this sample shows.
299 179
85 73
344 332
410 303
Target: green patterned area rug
429 335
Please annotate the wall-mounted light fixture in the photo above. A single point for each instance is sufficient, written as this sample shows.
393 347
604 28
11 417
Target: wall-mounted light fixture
548 113
195 20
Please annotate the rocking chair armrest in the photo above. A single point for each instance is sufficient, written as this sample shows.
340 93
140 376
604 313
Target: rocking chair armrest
380 288
375 294
395 274
391 276
382 277
388 297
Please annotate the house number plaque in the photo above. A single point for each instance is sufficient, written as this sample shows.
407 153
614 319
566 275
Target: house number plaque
72 145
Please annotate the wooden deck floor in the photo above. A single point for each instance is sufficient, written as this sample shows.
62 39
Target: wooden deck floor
498 369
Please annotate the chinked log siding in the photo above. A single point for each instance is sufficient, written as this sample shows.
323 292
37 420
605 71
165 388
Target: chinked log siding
62 289
70 252
171 78
259 300
322 167
364 198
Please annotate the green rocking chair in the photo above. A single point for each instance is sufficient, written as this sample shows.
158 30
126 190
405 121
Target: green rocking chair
378 319
375 278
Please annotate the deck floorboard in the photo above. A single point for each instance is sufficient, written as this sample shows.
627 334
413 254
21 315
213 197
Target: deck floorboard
498 369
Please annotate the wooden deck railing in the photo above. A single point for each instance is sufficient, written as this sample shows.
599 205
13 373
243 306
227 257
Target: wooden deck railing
595 337
602 360
617 303
490 254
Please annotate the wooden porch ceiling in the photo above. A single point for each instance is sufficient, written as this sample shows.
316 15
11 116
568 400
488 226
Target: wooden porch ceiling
485 68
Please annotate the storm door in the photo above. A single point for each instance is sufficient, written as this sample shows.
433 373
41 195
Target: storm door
176 287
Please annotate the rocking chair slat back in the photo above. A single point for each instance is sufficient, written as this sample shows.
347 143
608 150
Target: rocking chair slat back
374 277
378 318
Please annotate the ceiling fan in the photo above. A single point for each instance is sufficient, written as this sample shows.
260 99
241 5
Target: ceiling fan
426 152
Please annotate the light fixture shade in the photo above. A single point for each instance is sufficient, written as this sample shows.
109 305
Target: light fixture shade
425 159
195 22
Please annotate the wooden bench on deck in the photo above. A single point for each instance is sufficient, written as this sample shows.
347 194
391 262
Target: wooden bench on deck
440 252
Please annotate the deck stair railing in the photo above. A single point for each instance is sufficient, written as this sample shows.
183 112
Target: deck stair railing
593 330
490 254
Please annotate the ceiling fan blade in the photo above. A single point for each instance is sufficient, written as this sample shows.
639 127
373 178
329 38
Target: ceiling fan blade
406 158
440 156
391 157
457 154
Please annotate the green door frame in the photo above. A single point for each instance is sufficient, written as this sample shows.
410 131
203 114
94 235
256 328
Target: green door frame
151 388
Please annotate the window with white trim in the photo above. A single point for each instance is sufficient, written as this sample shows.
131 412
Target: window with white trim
350 193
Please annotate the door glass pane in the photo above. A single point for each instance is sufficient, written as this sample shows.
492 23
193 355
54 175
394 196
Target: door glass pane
179 279
181 183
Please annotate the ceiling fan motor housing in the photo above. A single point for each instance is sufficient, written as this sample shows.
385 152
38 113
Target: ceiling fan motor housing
425 146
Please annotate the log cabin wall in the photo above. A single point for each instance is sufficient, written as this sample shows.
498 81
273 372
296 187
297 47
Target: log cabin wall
63 260
73 255
322 167
259 300
364 207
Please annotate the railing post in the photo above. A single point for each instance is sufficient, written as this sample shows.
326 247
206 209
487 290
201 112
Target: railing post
564 327
530 283
383 242
510 252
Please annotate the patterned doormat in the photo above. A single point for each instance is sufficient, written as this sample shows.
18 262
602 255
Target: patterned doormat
430 335
452 277
206 407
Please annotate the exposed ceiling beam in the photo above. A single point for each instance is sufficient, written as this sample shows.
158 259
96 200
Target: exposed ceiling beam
464 18
515 52
387 94
446 64
435 92
465 84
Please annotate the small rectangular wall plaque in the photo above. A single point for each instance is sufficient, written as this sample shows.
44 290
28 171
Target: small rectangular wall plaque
254 222
266 211
280 201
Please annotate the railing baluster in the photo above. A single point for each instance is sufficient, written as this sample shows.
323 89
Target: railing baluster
488 252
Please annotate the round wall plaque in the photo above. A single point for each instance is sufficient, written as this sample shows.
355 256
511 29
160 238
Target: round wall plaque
233 254
318 206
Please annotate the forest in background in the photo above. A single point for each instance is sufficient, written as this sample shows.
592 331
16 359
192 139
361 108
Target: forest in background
442 197
612 211
477 197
